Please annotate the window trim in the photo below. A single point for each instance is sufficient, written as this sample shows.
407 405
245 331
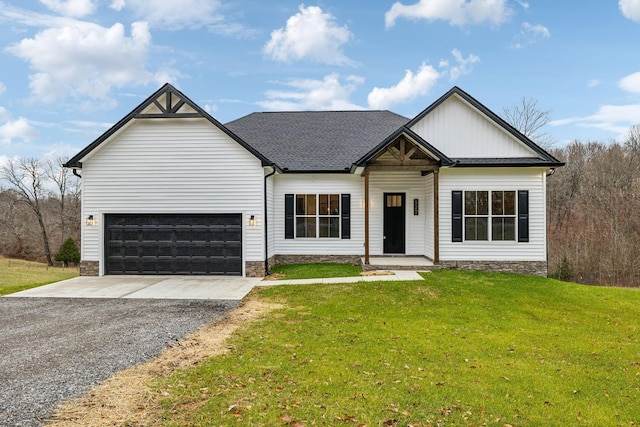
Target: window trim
490 216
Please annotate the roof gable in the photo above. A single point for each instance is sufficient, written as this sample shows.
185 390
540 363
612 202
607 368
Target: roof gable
463 128
166 103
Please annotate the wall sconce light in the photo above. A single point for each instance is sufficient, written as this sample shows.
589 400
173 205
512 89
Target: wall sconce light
91 221
415 207
252 220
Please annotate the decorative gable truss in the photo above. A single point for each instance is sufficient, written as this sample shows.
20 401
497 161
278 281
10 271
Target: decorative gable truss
168 104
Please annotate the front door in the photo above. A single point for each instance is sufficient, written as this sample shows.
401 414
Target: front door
394 223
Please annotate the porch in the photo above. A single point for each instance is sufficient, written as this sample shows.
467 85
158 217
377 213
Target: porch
416 263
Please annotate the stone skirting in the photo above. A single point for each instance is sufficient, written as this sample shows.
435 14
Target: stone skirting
309 259
535 268
89 268
254 269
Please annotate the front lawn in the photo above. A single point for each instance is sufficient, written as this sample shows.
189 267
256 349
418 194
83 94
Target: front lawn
18 275
315 271
456 349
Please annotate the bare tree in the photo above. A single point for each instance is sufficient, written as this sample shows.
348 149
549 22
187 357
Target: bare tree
530 120
61 177
26 178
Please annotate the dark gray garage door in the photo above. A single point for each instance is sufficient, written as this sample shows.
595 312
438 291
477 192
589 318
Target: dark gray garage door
173 244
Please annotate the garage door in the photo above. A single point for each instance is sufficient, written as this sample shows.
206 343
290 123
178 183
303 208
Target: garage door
173 244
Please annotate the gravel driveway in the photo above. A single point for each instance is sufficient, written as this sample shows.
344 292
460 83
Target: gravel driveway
53 349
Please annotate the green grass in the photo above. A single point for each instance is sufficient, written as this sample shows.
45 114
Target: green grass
17 275
458 349
316 271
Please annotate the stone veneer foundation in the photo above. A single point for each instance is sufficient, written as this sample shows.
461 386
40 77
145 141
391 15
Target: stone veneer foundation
89 268
309 259
535 268
254 269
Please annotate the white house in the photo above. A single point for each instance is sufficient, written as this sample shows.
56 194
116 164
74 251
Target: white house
170 190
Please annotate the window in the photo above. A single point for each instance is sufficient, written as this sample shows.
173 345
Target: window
317 215
497 219
490 215
476 215
503 215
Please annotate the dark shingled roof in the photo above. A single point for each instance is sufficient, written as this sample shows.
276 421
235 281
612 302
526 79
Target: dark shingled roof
504 162
321 141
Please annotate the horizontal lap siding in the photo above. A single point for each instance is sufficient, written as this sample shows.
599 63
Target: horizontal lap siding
318 184
172 166
495 179
428 209
459 130
414 186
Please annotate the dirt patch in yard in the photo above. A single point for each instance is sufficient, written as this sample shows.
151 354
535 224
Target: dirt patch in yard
126 398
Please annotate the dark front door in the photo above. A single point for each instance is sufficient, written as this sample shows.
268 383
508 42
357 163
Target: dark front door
394 223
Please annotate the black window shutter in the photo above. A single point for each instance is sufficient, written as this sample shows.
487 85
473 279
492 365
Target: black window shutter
523 215
456 216
346 216
288 216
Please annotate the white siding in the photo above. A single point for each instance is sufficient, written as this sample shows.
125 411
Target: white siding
414 185
172 166
318 184
494 179
428 209
271 220
459 130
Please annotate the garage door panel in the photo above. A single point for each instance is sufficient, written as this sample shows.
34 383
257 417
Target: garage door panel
173 244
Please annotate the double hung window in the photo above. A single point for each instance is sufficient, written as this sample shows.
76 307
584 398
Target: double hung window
317 215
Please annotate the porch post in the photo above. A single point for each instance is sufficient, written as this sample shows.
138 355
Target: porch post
366 217
436 219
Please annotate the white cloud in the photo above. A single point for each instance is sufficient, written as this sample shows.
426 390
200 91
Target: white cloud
410 87
612 118
173 15
456 12
463 65
17 129
117 5
4 114
85 60
524 4
630 9
308 94
59 150
631 83
530 34
309 34
72 8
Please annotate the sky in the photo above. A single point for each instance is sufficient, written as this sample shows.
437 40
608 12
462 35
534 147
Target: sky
69 69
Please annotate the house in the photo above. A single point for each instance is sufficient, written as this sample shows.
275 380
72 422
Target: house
170 190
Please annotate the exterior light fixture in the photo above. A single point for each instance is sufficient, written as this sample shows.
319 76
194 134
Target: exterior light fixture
91 221
252 220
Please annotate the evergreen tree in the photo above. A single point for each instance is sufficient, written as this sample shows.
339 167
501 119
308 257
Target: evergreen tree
68 252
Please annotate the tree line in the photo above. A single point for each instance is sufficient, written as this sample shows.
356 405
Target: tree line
593 207
39 208
593 216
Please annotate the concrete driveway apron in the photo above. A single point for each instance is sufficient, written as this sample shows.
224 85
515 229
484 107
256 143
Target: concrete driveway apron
148 287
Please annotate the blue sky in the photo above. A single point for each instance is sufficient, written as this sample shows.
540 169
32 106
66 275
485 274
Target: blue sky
71 68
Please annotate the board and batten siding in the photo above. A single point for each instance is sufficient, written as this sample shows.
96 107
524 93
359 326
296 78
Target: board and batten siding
318 184
172 166
459 130
507 179
413 184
